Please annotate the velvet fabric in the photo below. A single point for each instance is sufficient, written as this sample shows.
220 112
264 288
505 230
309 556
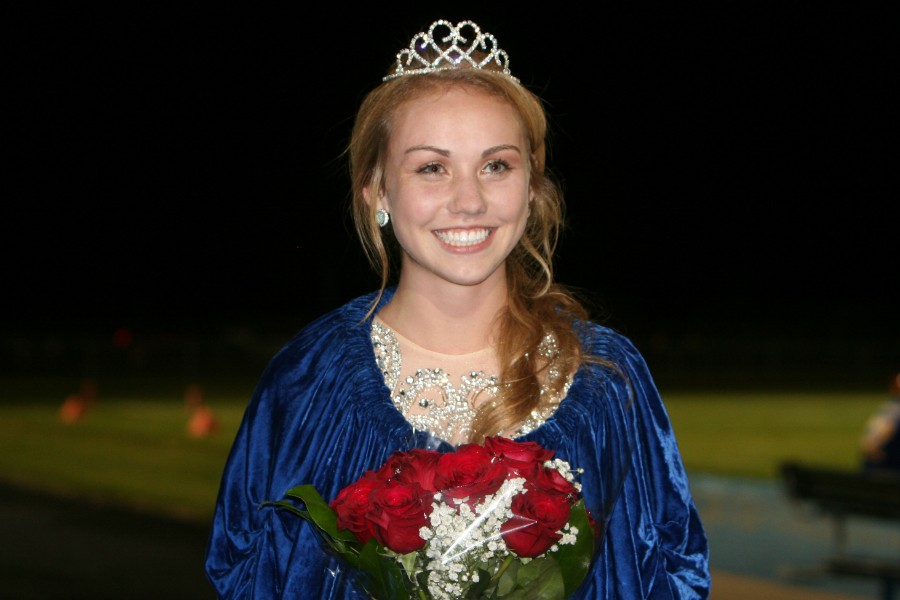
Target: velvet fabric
322 415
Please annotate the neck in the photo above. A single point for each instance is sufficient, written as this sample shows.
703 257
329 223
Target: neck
450 319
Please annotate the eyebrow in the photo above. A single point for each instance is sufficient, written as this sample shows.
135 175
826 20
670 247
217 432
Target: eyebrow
444 152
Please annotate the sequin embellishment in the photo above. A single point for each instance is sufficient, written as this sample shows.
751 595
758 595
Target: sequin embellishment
430 400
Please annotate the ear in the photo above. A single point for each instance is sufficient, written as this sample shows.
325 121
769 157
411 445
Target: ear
369 197
532 192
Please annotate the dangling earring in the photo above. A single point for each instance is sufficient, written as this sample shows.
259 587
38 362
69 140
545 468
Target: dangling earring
382 217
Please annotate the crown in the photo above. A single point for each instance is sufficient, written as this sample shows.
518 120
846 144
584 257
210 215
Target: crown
451 45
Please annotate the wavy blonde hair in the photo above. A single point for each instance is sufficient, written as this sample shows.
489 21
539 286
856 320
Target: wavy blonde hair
537 305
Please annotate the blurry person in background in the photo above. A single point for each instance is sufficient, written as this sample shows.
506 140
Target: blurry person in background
880 443
202 421
75 406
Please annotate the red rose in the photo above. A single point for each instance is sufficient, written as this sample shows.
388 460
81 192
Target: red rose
520 458
351 505
551 480
537 517
397 512
413 466
469 472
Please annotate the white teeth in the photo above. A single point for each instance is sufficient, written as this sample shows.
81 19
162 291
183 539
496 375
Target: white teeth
469 237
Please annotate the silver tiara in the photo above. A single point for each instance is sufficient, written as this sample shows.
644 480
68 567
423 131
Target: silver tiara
451 48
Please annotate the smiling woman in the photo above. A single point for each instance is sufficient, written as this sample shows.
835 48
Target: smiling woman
472 339
458 207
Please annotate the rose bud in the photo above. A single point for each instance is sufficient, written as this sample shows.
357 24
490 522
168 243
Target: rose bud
413 466
470 472
537 517
351 505
397 512
520 458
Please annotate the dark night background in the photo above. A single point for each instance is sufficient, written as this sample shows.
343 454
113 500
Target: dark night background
727 171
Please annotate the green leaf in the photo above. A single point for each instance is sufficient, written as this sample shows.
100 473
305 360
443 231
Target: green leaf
386 575
539 579
478 591
285 505
508 578
575 559
320 513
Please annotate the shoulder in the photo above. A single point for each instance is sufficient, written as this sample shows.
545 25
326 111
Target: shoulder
614 364
337 336
342 322
601 341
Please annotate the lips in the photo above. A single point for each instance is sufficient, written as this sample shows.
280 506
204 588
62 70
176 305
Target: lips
461 238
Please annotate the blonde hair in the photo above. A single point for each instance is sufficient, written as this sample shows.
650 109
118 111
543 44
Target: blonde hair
537 305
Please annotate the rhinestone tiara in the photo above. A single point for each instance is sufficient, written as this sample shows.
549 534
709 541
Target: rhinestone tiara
451 45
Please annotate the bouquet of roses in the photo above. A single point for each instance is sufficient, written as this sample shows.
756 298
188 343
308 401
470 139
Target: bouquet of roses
499 520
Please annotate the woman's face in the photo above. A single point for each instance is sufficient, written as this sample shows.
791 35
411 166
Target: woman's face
456 184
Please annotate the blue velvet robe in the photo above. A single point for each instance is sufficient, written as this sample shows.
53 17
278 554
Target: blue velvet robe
322 415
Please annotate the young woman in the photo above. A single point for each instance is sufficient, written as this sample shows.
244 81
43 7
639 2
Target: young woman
474 339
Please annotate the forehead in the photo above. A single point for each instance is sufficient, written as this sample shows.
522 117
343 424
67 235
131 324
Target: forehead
454 111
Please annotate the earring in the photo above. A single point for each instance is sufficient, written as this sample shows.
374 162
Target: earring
382 217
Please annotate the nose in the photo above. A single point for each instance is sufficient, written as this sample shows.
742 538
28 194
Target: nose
467 197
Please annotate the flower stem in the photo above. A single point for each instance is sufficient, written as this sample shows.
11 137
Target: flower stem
506 562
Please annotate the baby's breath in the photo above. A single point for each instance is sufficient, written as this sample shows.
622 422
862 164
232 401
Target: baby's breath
462 538
565 469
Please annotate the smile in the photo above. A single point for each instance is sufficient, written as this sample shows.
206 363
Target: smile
463 237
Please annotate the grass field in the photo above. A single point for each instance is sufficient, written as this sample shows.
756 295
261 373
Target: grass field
132 447
749 434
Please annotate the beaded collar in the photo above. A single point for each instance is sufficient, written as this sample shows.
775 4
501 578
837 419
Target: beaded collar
432 399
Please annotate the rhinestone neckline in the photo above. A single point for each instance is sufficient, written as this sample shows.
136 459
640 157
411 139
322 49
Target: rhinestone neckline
432 399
